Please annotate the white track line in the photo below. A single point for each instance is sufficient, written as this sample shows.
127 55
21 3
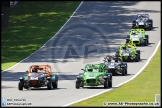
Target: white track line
123 82
48 40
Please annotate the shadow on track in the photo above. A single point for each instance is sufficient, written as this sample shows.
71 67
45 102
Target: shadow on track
108 17
6 87
14 76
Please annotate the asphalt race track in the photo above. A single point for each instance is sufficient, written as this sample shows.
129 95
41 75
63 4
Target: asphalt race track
96 29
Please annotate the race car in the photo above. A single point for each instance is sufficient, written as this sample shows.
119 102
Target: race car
142 21
138 37
94 75
38 76
128 52
115 65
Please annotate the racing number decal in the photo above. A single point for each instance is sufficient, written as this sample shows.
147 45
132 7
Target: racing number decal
112 63
135 37
111 66
34 78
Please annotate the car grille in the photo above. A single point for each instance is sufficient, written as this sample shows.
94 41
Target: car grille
111 70
141 26
91 80
34 83
136 42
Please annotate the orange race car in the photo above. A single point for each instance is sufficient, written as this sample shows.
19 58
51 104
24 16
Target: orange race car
38 76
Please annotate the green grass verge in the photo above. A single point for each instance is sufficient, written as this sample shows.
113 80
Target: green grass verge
142 89
31 24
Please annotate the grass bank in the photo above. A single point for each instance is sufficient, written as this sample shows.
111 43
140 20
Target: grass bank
31 24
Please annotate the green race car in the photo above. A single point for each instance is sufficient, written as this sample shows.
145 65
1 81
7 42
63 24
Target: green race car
94 75
128 52
138 37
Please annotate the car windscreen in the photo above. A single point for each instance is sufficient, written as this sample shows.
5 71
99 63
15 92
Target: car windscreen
95 70
127 50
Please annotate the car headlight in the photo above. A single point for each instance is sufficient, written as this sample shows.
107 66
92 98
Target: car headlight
100 77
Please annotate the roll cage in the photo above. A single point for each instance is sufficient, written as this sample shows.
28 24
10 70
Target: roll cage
141 15
35 68
142 31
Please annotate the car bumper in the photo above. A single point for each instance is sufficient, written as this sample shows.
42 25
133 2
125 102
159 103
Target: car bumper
136 42
144 26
